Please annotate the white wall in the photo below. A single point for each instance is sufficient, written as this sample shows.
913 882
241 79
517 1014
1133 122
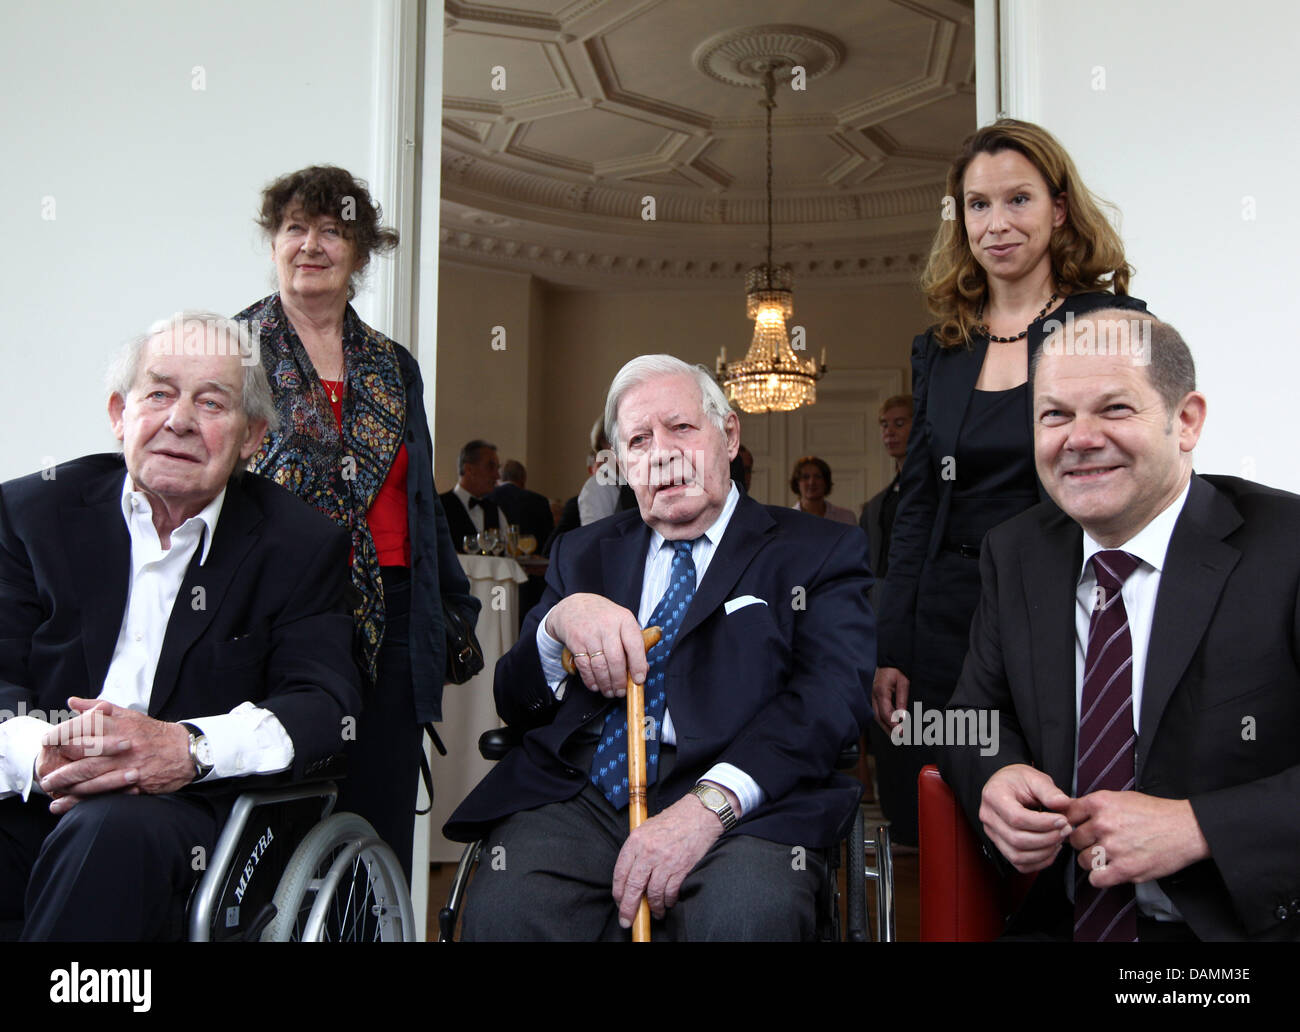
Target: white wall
154 183
1183 114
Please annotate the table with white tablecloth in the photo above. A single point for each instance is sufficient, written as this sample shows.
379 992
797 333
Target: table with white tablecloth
468 709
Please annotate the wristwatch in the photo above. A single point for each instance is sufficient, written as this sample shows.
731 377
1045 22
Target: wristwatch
717 802
200 751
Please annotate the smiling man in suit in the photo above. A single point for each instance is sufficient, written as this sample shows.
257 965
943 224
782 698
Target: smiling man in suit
762 677
191 618
1139 646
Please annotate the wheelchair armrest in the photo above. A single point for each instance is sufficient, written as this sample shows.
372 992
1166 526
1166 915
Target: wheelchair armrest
334 768
494 744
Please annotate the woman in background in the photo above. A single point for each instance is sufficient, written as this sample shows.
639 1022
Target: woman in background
354 442
811 481
1029 247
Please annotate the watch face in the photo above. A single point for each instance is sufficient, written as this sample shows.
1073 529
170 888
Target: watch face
203 751
711 797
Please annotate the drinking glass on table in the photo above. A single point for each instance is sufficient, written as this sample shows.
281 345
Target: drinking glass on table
470 544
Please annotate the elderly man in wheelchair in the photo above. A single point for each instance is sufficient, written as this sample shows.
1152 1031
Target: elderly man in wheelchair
167 625
761 678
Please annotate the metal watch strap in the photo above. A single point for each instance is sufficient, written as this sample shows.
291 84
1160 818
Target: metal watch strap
724 812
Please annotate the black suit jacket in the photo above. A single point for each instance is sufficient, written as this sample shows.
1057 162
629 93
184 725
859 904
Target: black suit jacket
776 687
943 382
528 509
264 619
458 519
1220 699
877 542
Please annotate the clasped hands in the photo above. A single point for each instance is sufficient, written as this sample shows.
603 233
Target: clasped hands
109 748
1121 837
606 643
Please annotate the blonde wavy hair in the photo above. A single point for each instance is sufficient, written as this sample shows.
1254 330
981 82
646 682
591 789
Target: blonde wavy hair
1086 252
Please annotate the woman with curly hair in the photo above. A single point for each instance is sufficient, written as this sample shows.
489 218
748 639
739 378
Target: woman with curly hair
811 481
1023 245
354 441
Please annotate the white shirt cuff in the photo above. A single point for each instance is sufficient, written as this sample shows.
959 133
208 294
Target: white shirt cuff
247 740
549 651
20 745
748 794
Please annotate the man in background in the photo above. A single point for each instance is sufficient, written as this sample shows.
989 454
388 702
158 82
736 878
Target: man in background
896 766
528 510
468 507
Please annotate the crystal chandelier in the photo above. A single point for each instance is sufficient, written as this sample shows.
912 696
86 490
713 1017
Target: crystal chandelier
771 377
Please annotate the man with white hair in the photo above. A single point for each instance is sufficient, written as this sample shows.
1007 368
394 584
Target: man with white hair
763 676
190 617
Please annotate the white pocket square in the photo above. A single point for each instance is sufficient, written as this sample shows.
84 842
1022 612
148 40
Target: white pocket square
741 602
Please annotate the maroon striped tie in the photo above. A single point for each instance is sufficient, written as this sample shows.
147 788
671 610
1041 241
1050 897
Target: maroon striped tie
1106 741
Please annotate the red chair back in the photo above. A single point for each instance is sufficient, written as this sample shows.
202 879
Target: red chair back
962 897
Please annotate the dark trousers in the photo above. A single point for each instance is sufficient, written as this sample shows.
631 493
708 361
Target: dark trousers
383 762
113 868
947 594
547 874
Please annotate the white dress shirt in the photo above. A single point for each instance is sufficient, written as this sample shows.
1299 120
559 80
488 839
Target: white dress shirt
1150 544
658 568
248 740
598 497
476 512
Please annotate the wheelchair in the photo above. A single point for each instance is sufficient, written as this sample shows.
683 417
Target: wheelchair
855 927
286 868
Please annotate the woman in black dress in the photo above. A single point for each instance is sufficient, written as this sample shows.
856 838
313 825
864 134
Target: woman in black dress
1023 244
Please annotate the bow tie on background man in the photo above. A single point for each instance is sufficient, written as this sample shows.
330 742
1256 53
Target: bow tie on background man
489 508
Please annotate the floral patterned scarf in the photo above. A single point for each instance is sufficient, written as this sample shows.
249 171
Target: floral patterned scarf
338 472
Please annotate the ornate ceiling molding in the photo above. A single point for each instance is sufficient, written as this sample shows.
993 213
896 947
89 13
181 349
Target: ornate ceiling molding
582 265
463 172
739 57
613 103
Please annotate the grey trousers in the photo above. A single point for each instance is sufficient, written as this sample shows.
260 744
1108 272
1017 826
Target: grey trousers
547 875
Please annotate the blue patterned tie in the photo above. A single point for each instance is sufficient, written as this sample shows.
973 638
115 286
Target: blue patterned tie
609 765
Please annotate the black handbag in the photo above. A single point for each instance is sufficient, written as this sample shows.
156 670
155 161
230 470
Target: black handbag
464 653
464 660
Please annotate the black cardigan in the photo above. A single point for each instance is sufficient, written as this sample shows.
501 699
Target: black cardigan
435 567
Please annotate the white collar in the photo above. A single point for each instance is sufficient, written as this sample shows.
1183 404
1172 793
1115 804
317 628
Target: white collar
1151 543
138 501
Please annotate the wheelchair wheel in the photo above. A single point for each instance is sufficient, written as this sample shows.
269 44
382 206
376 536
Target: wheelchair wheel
342 884
855 883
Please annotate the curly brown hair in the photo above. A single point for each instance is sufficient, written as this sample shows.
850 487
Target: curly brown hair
330 190
1086 251
811 460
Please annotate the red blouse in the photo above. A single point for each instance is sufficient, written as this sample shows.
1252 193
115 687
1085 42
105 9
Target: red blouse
387 516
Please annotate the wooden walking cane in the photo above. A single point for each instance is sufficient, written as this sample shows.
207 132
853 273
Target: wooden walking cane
636 796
